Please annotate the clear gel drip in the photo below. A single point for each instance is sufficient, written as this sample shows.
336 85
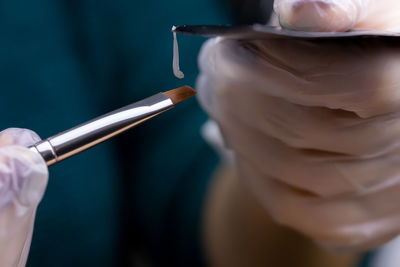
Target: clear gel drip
175 62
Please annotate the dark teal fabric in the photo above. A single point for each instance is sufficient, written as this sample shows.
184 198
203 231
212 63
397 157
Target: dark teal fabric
367 259
63 62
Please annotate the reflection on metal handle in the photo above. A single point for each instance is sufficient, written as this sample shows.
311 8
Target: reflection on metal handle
89 134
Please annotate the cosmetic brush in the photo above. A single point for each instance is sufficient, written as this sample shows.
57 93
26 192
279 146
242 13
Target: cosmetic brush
84 136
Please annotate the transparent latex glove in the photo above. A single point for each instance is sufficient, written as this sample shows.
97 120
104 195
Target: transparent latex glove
23 179
315 128
338 15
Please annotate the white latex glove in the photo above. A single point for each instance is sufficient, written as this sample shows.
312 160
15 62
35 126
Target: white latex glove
315 125
338 15
23 179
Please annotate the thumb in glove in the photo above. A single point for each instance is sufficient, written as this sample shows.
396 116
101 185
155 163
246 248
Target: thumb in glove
338 15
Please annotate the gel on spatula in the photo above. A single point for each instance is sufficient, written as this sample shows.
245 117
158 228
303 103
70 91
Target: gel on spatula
175 62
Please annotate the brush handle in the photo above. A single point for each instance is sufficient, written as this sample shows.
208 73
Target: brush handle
96 131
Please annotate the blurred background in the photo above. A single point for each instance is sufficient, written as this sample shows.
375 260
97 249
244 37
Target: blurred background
136 200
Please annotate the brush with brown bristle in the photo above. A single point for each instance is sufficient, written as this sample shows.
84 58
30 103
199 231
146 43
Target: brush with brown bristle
96 131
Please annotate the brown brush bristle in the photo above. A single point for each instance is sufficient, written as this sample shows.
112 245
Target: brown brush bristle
179 94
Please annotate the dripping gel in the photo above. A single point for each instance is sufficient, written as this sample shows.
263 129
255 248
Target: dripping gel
175 62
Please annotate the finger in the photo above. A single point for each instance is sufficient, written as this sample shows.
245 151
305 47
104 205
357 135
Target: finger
23 179
353 76
320 15
23 173
319 172
338 15
17 136
23 176
358 222
310 127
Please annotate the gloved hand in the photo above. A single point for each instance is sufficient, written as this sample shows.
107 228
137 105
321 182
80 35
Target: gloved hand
315 125
23 179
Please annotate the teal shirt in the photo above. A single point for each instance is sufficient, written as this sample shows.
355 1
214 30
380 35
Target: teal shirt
66 61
